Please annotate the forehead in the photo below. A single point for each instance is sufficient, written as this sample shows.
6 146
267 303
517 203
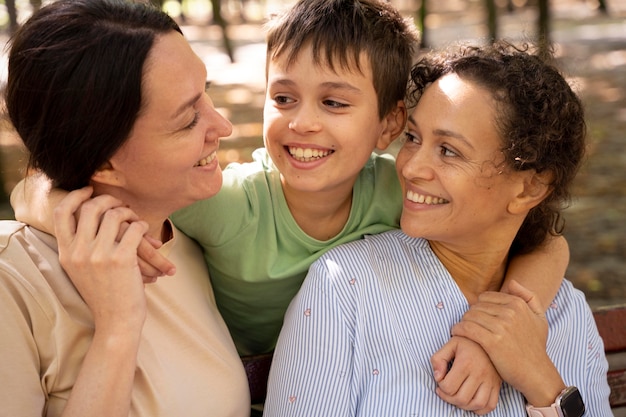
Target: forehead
172 69
323 60
458 105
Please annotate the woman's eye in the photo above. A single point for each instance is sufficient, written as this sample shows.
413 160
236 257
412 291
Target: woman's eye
410 137
445 151
194 122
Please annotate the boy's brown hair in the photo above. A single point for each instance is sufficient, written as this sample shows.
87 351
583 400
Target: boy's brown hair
339 31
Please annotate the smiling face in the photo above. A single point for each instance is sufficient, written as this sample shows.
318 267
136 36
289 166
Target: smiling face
456 185
320 125
169 161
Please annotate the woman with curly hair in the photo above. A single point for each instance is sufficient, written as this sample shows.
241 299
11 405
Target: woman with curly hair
492 146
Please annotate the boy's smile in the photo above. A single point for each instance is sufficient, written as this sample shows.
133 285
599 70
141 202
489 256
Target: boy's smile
308 154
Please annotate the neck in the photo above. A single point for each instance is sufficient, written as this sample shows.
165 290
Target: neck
321 215
473 271
153 213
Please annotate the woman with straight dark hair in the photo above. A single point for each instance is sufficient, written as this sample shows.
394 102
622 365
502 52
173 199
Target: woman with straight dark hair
109 98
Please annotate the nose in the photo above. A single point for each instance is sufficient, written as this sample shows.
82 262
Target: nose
218 124
222 126
415 162
306 119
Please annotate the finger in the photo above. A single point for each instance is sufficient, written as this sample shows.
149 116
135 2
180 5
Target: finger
151 257
64 221
132 236
156 243
109 226
475 331
481 403
453 381
462 397
149 274
442 359
528 296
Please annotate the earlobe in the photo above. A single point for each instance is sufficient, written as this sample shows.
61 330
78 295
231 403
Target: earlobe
394 125
108 175
536 188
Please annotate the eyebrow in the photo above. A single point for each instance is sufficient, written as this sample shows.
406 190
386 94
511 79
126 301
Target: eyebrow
447 133
329 84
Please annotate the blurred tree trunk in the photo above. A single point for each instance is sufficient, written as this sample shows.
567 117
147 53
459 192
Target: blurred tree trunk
492 19
544 27
421 22
12 12
221 22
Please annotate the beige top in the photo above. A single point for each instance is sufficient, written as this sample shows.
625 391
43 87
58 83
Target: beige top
187 364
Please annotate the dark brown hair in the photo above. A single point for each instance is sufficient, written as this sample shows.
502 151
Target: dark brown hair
74 87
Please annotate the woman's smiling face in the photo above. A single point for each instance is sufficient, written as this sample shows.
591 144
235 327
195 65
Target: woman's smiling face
169 160
455 182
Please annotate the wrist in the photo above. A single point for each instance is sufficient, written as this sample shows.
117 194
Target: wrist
568 403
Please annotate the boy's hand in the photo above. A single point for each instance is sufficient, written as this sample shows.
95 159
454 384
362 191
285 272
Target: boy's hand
471 381
151 263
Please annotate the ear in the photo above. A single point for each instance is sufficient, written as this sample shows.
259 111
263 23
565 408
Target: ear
108 175
394 123
536 187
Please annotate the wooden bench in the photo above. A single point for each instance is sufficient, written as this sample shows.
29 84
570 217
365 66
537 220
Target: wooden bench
611 322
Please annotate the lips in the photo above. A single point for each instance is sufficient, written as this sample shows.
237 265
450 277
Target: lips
207 160
424 199
308 154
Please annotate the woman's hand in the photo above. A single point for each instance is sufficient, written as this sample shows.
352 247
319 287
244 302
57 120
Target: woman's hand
99 253
465 376
513 330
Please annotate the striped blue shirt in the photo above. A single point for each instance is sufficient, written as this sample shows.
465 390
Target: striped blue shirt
358 337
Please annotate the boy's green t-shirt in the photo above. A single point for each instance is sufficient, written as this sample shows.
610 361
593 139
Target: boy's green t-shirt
257 254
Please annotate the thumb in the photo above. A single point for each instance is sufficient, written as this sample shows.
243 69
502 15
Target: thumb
517 289
442 359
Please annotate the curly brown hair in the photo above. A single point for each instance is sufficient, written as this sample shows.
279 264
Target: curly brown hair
539 118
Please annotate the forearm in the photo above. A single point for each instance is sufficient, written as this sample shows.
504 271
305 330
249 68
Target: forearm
105 382
542 270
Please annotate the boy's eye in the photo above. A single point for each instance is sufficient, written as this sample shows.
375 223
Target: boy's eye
283 100
334 104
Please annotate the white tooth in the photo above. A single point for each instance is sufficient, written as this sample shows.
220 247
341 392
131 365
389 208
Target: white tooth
299 153
308 153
